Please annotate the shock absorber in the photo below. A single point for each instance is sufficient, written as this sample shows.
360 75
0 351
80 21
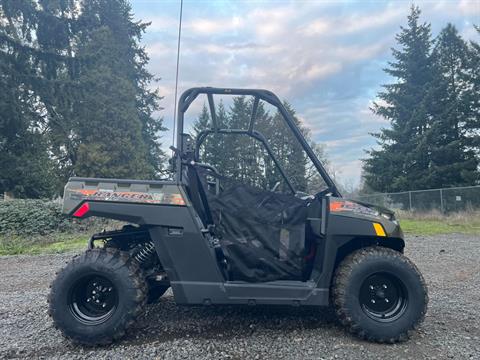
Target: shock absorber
145 252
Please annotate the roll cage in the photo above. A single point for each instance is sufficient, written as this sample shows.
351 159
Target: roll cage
190 95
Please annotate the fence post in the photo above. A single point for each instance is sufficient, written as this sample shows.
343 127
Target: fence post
441 201
410 200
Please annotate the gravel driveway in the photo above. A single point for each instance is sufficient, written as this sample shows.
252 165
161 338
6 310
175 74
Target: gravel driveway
450 265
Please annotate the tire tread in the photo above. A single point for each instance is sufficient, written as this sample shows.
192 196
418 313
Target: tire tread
340 282
116 259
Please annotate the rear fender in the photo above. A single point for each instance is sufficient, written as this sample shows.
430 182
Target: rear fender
137 213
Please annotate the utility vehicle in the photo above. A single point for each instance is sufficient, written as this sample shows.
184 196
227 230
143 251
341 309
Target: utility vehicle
216 240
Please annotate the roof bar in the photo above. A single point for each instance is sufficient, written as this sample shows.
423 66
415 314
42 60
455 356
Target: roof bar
254 114
213 114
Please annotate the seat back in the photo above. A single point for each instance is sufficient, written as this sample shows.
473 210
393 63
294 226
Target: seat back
197 196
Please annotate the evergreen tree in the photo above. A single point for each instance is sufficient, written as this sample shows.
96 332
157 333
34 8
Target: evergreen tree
241 146
288 150
213 147
203 122
51 54
25 168
106 103
402 162
453 161
472 96
119 106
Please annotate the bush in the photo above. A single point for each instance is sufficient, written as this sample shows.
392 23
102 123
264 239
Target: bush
41 217
31 217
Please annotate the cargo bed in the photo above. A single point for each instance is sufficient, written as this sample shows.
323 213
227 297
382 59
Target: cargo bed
79 190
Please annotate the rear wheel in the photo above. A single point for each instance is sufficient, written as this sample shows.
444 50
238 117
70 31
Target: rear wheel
379 295
97 296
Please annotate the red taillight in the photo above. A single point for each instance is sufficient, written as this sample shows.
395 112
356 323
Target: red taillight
82 210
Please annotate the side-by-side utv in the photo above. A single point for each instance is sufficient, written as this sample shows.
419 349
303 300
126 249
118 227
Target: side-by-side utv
214 239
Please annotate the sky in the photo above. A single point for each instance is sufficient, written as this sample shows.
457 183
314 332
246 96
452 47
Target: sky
324 57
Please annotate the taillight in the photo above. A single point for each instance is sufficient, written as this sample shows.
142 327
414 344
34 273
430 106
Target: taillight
82 210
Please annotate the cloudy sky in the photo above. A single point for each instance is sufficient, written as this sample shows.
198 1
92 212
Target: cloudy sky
324 57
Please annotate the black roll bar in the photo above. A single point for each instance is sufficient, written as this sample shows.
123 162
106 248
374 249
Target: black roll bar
191 94
254 114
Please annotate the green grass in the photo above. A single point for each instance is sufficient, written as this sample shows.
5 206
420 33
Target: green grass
55 243
445 225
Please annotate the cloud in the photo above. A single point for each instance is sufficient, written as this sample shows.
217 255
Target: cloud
353 23
205 26
462 7
326 58
159 23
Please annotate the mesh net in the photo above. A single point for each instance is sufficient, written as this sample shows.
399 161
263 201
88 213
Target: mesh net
262 233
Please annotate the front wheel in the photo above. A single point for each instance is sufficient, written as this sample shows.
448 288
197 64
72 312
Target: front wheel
97 296
379 295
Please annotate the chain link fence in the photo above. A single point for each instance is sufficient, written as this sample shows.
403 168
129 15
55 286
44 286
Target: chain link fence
445 200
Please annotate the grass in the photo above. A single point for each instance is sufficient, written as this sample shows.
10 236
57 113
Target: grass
436 223
49 244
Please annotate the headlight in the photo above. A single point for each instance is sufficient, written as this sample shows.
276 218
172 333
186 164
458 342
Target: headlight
350 206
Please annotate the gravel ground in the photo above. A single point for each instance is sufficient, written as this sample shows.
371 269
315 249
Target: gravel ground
450 264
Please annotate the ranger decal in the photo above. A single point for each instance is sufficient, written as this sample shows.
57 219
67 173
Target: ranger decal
129 196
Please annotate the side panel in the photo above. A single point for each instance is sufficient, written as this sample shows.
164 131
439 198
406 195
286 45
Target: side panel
275 293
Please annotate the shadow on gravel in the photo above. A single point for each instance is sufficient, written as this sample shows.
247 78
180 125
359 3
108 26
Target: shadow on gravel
165 321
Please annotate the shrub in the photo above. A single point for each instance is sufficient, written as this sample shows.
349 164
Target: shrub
31 217
41 217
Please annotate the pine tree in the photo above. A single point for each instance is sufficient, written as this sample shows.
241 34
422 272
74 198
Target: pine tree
203 122
402 162
109 47
214 147
106 108
472 96
50 55
453 161
241 146
25 167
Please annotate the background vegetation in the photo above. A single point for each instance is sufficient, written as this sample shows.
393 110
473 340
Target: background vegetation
36 226
434 112
75 96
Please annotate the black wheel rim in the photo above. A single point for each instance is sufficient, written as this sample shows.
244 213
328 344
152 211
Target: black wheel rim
383 297
93 299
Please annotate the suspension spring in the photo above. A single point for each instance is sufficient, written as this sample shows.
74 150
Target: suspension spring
146 250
